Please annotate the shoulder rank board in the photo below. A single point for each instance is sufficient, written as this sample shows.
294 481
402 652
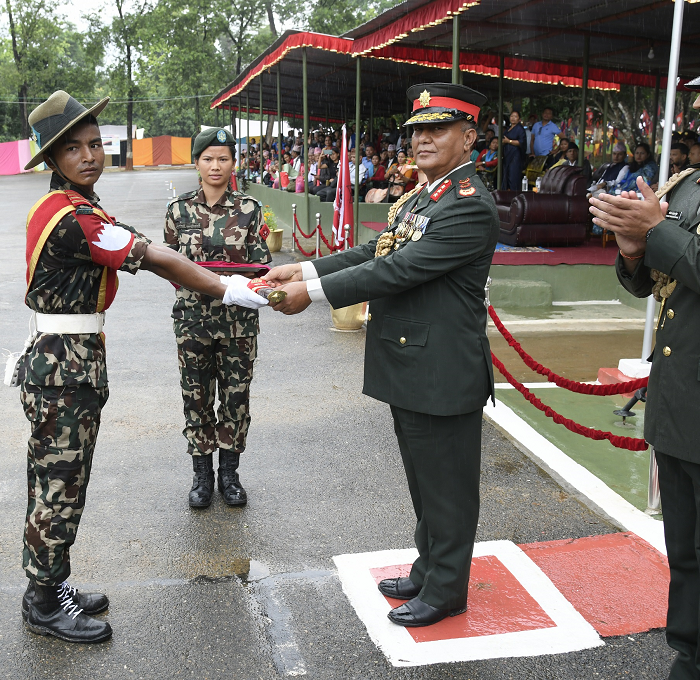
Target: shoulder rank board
437 194
465 188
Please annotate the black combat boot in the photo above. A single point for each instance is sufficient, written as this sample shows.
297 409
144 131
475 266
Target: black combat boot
90 603
203 482
229 484
52 611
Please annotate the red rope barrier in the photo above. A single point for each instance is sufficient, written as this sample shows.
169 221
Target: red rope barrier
296 220
328 245
560 381
301 250
628 443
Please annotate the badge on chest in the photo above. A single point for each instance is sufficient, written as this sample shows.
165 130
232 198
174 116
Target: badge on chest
411 227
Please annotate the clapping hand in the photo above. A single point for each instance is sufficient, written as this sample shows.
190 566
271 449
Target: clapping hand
628 217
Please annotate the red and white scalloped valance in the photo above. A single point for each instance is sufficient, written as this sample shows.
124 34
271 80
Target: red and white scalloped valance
526 70
318 41
430 15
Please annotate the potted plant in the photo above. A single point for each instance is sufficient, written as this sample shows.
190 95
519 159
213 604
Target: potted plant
274 239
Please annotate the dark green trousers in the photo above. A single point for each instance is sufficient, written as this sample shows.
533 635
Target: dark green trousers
680 499
442 459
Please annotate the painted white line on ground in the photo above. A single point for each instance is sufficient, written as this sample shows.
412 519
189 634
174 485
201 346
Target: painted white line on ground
530 386
580 303
571 632
547 454
564 321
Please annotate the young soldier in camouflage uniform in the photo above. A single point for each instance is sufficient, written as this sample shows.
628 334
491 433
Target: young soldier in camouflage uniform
223 230
74 250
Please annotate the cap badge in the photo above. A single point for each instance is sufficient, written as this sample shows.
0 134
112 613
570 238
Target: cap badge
424 98
221 136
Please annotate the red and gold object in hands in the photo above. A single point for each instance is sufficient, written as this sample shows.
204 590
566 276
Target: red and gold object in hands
247 269
262 287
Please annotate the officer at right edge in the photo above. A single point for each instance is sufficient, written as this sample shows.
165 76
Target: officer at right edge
660 254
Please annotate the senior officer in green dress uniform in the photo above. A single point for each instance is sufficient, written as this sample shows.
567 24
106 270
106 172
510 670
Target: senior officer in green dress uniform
427 354
660 254
222 230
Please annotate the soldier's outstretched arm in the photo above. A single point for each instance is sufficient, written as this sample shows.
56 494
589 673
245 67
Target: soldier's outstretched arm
170 265
173 266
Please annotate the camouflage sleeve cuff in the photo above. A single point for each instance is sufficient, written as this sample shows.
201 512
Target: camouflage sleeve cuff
132 262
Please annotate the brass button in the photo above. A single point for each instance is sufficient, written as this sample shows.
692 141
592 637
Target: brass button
369 317
670 314
667 351
402 341
697 229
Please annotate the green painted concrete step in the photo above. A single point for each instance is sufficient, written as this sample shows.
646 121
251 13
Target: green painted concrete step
520 293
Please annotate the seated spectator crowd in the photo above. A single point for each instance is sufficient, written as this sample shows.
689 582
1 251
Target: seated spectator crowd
387 168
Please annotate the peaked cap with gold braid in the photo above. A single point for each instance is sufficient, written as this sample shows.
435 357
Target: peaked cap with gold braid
443 103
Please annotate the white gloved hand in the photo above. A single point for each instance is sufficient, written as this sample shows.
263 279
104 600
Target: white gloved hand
238 293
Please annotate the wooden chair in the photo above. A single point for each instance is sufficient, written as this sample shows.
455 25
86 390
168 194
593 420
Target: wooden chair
607 236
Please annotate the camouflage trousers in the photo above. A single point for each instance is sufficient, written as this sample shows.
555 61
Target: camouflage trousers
206 363
64 425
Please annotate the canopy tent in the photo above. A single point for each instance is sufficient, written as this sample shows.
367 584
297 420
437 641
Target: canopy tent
543 34
540 41
589 45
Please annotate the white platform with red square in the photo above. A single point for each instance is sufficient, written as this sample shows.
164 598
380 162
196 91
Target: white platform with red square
514 610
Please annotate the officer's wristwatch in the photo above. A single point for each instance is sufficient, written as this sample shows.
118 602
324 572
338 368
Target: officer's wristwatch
649 234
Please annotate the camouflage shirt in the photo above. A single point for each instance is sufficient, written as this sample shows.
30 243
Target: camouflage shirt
228 231
67 281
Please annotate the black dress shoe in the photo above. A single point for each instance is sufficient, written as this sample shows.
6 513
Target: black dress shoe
415 613
90 603
51 614
401 588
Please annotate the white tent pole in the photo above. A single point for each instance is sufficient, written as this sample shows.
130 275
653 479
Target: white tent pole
669 116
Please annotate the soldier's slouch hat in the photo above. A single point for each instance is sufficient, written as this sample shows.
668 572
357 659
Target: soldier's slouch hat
443 103
213 137
52 119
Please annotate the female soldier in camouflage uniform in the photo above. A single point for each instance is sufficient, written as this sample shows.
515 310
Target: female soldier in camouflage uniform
219 229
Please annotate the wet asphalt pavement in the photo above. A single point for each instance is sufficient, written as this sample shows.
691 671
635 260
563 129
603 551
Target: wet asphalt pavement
248 593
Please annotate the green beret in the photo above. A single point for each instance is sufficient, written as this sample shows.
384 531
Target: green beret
213 137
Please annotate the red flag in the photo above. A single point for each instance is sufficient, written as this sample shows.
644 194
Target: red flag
342 205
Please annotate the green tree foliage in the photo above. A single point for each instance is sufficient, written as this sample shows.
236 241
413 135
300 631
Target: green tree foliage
336 18
162 60
126 36
41 52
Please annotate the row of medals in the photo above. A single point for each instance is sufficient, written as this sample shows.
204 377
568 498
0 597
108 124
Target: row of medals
405 232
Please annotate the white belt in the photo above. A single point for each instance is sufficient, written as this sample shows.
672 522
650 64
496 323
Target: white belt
69 324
